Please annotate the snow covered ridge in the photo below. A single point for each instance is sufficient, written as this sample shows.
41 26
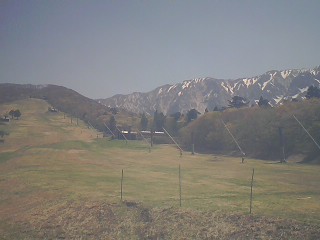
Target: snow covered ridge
39 86
202 93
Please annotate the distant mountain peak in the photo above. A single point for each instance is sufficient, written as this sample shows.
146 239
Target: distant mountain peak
202 93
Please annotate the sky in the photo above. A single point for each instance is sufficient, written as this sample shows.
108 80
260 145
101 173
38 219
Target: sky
103 48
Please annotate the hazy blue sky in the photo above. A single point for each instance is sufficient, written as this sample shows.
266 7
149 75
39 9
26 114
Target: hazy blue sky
102 48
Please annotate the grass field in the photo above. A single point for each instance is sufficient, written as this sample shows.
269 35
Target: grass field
57 177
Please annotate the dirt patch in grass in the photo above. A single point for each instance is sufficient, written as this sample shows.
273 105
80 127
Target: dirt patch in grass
76 151
131 220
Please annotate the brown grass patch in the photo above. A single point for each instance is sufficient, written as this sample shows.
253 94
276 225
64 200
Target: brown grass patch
130 220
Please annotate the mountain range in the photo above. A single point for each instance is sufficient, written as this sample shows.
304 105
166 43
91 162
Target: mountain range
202 93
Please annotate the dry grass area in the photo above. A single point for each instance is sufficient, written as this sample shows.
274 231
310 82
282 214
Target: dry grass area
131 220
58 181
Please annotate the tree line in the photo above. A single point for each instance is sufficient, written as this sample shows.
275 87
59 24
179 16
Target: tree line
261 132
15 113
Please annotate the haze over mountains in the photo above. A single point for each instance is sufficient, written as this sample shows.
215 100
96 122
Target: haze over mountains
203 93
258 126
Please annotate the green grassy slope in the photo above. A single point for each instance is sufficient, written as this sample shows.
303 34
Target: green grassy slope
57 180
68 101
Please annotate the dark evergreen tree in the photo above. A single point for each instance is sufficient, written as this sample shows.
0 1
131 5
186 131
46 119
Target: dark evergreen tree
158 121
171 125
17 113
192 115
114 110
313 92
263 102
11 113
238 102
176 115
112 123
144 122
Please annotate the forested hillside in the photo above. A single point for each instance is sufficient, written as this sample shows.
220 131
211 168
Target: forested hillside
68 101
261 132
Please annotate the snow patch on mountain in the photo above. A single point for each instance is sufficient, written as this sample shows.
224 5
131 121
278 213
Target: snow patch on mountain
227 87
198 80
186 84
172 87
285 73
201 93
315 72
265 84
302 90
249 81
278 99
295 96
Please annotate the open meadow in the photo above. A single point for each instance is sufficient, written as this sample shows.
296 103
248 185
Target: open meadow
62 180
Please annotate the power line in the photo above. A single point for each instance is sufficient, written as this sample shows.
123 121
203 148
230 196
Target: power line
306 131
109 130
233 137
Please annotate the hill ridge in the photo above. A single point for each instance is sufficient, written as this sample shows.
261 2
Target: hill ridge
202 93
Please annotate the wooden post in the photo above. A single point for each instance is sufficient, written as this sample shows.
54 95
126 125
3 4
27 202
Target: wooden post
77 121
192 140
121 183
151 133
251 191
180 184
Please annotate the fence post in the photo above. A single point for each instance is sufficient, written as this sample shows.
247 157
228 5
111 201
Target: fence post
251 191
192 140
151 136
121 183
180 184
